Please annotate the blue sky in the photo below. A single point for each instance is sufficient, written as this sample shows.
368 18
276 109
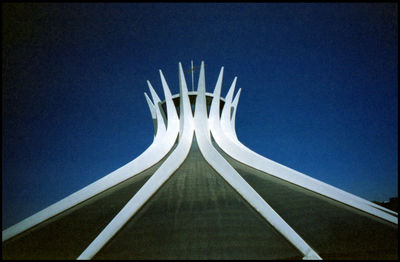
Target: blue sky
319 89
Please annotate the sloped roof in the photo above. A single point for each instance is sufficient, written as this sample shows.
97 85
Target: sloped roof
334 230
197 215
66 235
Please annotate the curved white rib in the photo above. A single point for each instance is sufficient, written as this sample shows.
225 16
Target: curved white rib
171 164
153 113
235 180
234 137
213 119
160 121
306 181
230 129
151 106
161 145
171 111
233 118
226 140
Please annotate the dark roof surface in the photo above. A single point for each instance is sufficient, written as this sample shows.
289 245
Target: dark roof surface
333 229
66 235
197 215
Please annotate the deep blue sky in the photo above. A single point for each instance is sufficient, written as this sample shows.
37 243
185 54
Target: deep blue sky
319 89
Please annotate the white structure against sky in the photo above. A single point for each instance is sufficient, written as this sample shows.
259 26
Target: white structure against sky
199 125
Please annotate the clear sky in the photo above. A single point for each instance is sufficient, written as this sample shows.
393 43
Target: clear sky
319 89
